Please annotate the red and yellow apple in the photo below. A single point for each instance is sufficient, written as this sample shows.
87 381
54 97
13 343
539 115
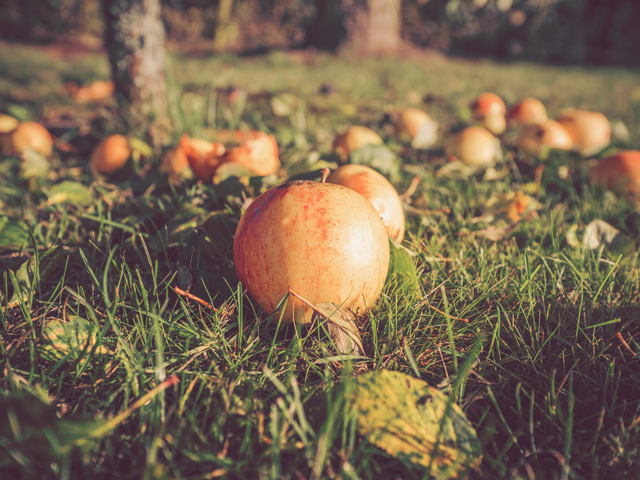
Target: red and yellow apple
325 241
378 190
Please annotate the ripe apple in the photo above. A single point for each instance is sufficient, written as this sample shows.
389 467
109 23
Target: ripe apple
257 151
549 134
325 241
590 132
419 126
529 111
378 190
490 109
354 138
204 157
620 172
31 136
475 147
111 154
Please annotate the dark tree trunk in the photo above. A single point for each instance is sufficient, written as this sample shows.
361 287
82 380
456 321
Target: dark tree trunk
134 38
362 26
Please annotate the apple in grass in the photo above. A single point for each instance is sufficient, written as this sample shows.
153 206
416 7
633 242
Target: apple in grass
490 109
378 190
110 154
325 241
528 111
550 134
590 132
354 138
475 147
619 172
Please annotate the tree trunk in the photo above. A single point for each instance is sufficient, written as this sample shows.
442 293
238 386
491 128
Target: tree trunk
360 26
373 26
134 38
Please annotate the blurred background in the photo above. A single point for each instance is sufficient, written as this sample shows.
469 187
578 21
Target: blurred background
587 32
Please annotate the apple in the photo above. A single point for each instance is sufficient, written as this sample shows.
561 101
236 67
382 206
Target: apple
490 109
378 190
354 138
475 147
549 134
257 151
204 157
529 111
325 241
111 154
620 172
590 132
174 162
31 136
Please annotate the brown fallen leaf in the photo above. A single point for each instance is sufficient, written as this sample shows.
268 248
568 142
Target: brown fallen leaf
341 325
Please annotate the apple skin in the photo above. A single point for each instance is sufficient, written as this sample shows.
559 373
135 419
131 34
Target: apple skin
550 134
378 190
475 147
589 131
620 172
32 136
326 241
204 157
488 104
528 111
354 138
111 154
258 151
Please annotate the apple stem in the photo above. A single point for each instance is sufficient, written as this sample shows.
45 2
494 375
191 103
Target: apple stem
325 173
412 188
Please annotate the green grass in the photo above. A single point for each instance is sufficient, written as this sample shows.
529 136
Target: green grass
553 394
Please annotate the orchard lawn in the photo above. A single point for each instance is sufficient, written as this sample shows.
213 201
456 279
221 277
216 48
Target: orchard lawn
535 335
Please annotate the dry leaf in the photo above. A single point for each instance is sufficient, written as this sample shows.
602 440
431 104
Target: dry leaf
415 422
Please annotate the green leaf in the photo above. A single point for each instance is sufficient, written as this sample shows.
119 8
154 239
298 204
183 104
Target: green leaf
13 234
414 422
139 149
70 192
34 165
380 158
402 271
27 280
70 338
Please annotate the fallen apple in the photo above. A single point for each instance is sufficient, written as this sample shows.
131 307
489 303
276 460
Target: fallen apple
378 190
204 157
490 109
619 172
419 126
325 241
354 138
110 155
7 123
590 132
174 162
257 151
31 136
475 147
529 111
550 134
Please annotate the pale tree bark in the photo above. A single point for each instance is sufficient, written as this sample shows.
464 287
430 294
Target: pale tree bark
135 39
373 26
364 26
